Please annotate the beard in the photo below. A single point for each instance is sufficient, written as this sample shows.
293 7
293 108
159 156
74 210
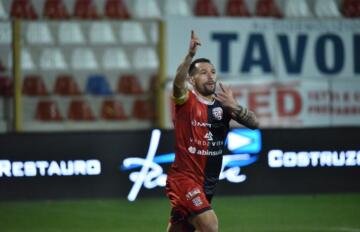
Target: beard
205 89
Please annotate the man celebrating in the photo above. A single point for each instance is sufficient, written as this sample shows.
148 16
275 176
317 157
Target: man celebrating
201 124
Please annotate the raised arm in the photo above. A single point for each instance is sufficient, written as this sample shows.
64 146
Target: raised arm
240 114
179 85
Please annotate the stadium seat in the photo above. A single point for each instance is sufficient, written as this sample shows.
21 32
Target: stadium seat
52 59
27 62
55 9
153 29
114 59
129 84
205 8
6 33
101 33
112 110
132 32
65 85
326 9
23 9
143 110
38 33
70 33
97 85
6 86
145 58
153 83
297 9
3 13
116 9
33 85
2 66
79 110
146 9
83 59
85 9
351 8
47 110
267 8
237 8
177 8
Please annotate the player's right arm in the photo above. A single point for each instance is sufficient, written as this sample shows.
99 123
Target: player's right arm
180 91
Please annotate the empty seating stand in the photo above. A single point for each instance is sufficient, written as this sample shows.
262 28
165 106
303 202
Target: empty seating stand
267 8
98 85
6 86
23 9
205 8
116 9
79 110
55 9
65 85
47 110
33 85
143 110
85 9
129 84
112 110
237 8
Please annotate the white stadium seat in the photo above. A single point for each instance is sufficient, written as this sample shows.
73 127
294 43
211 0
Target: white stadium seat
38 33
326 9
101 33
297 9
132 33
3 14
146 9
83 59
115 58
52 59
70 33
177 8
5 33
27 62
145 58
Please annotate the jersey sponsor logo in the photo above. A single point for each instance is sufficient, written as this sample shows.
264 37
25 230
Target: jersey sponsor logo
197 201
153 174
208 136
194 192
192 150
200 124
217 113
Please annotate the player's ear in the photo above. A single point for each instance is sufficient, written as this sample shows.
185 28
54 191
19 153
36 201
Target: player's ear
191 80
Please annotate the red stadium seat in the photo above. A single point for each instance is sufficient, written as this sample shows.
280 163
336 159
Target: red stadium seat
85 9
33 85
79 110
351 8
237 8
268 8
2 67
55 9
23 9
129 84
47 110
205 8
143 110
116 9
153 84
65 85
112 110
6 86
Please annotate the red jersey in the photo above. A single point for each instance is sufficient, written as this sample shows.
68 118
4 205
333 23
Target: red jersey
200 131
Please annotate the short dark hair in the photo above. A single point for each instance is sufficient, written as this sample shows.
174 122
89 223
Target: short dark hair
192 67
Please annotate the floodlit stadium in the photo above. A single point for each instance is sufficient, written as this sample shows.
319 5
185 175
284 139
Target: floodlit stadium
87 112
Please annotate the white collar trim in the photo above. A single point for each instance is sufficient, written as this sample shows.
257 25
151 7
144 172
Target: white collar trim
203 100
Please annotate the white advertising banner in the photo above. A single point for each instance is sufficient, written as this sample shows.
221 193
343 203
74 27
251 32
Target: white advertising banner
252 48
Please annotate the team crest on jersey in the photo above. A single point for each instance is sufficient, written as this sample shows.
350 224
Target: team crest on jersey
217 113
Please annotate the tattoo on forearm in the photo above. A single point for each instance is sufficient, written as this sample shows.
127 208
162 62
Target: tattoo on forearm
245 117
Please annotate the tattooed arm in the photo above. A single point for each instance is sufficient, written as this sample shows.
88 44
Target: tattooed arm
238 113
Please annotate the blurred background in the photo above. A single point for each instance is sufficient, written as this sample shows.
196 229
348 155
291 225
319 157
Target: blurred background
85 90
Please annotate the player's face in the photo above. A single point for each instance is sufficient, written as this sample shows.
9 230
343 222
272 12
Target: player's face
204 79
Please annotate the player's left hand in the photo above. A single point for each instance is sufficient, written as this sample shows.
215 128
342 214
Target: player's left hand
226 97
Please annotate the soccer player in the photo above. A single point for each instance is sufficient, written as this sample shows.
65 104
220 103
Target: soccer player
201 124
